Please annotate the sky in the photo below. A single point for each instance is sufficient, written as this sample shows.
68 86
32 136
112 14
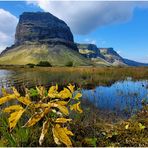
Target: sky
121 25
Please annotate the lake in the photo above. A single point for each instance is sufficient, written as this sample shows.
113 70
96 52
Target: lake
121 97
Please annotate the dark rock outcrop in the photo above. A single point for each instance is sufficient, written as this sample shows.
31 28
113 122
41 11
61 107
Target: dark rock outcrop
40 26
89 50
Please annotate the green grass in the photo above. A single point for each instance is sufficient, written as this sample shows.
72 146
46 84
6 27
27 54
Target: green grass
57 55
81 76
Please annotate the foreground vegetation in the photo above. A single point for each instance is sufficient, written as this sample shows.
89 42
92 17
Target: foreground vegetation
50 113
51 109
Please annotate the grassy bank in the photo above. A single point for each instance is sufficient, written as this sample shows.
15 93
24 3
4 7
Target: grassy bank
82 76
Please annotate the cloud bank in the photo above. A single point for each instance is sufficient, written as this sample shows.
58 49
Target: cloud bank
85 16
8 24
82 16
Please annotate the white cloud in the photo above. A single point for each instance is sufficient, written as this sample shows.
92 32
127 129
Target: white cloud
90 41
8 24
84 16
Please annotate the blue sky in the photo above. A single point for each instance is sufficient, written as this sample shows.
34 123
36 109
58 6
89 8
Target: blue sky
123 28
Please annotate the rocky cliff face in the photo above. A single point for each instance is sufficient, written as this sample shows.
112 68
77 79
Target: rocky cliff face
111 55
41 26
101 55
89 50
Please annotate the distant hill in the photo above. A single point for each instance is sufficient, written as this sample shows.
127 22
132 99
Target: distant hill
106 56
134 63
41 36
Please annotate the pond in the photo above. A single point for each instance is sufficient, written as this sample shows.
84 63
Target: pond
124 97
121 97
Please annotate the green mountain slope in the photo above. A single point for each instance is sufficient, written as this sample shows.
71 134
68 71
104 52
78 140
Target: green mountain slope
57 55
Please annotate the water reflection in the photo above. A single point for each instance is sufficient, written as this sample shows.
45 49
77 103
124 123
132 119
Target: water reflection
30 78
123 96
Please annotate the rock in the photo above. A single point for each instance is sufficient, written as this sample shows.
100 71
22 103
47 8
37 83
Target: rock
40 26
89 50
112 56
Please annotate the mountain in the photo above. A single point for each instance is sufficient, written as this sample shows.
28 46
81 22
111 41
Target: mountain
134 63
41 26
39 37
92 52
111 56
105 56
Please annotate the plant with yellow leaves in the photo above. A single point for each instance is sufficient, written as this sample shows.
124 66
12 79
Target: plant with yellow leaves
52 110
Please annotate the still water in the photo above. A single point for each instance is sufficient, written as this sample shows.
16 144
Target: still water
122 96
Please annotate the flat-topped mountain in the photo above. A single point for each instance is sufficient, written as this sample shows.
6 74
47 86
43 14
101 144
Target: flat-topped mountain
41 36
41 26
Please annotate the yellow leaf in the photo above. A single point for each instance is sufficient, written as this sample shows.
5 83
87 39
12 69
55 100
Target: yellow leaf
41 90
13 107
127 126
56 87
16 93
77 96
60 135
24 100
141 126
4 92
36 118
55 136
53 92
63 109
44 131
62 102
71 88
62 120
64 94
68 132
41 105
7 98
76 107
14 117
